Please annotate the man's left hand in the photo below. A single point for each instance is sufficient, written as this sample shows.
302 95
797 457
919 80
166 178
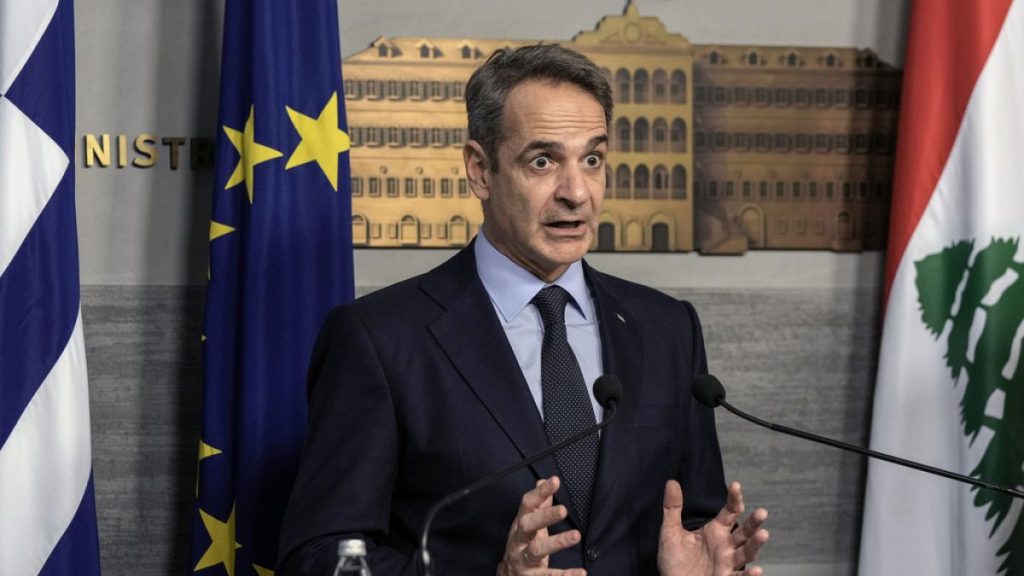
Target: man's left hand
715 549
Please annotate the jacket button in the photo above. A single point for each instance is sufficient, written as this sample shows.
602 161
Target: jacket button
592 554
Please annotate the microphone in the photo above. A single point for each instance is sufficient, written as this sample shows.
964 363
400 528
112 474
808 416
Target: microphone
607 391
710 392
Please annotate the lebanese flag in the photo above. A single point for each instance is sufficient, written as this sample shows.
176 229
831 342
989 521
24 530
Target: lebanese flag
950 388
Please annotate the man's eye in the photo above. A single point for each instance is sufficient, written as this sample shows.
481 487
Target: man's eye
593 160
540 162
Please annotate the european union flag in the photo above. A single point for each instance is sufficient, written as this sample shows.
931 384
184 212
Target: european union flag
280 258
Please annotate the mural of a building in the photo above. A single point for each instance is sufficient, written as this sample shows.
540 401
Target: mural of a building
718 148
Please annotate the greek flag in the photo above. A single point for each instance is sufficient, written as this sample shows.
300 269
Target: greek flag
47 510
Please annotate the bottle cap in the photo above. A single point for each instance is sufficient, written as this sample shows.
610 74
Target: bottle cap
352 547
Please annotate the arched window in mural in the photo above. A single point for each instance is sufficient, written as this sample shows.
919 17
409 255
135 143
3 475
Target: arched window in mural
642 182
660 83
660 135
678 182
458 231
608 181
844 226
359 230
677 87
623 134
661 182
640 135
623 182
409 232
677 136
606 237
622 88
751 221
659 237
641 86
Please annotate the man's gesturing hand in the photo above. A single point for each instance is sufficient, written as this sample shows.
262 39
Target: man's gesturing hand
715 549
529 545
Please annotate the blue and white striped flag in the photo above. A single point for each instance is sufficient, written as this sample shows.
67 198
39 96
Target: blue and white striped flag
47 510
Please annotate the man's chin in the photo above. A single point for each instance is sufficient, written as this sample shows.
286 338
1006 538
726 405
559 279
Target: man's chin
567 251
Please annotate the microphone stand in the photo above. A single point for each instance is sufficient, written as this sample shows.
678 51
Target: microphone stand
871 453
424 554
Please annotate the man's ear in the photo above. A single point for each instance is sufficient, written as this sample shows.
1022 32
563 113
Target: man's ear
477 169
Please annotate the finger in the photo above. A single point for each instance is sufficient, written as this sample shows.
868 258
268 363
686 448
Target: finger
543 547
672 504
529 524
733 506
540 495
748 552
743 532
753 522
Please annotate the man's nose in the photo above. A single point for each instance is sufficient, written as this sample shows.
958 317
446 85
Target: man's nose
574 186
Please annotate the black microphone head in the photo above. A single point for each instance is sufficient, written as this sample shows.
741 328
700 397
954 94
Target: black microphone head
708 390
608 390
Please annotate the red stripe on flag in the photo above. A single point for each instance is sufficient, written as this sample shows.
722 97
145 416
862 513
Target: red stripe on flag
948 43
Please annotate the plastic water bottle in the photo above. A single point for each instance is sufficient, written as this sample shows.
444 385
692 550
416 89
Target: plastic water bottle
352 558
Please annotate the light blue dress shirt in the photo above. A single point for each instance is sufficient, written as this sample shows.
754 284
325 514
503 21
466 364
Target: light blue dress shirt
511 287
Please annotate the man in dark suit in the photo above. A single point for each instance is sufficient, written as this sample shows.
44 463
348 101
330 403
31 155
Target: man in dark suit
424 387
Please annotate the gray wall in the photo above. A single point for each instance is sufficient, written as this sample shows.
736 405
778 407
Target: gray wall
792 335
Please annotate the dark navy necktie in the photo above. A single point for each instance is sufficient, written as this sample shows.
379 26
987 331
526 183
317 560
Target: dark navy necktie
567 407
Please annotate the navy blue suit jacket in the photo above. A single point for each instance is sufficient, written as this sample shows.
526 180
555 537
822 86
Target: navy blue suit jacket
415 393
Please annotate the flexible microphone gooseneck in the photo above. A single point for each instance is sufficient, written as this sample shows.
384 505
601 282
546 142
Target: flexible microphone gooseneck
607 391
710 392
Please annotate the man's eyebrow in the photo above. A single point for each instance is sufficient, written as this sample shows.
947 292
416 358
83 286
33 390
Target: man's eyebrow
551 145
597 141
543 145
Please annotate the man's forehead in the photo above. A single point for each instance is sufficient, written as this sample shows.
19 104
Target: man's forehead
553 112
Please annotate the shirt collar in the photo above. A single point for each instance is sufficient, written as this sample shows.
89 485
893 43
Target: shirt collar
511 287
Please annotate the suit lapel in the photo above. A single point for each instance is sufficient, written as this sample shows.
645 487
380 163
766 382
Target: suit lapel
622 354
474 341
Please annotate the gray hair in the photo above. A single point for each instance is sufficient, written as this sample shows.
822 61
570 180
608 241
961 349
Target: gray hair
506 68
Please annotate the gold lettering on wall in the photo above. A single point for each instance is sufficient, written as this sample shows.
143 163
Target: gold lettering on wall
174 144
97 151
145 146
122 151
145 151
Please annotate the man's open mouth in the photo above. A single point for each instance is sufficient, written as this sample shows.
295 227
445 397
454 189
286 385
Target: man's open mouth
567 224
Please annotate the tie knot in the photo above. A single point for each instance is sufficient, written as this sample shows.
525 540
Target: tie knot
550 302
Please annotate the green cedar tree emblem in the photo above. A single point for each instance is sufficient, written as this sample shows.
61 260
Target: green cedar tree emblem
941 279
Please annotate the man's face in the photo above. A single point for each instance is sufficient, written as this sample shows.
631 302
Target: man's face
541 206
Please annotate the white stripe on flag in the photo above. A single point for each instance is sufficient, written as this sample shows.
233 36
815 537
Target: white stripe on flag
31 167
45 464
915 523
21 26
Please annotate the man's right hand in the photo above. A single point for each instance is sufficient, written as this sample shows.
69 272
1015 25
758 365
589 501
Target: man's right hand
529 545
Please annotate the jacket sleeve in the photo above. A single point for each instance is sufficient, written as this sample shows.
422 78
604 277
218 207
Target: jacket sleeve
349 462
702 477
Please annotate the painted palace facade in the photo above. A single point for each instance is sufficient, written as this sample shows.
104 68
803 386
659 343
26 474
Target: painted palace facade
717 148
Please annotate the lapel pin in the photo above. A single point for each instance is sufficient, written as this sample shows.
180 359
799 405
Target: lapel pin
619 316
